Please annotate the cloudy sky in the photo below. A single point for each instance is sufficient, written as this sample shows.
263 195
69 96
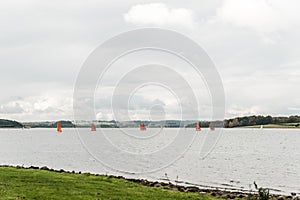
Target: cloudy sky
253 43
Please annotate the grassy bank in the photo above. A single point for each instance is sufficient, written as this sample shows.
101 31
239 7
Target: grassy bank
286 125
42 184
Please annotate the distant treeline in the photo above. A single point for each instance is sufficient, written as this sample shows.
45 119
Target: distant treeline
205 124
65 124
260 120
228 123
4 123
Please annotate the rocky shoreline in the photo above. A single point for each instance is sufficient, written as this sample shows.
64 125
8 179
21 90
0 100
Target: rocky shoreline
168 185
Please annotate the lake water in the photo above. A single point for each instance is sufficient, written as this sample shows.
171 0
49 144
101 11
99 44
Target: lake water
270 157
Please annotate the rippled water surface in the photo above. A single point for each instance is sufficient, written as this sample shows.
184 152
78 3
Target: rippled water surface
270 157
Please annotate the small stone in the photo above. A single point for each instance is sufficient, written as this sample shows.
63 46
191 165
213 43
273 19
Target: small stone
213 194
181 189
164 184
281 198
192 189
157 185
44 168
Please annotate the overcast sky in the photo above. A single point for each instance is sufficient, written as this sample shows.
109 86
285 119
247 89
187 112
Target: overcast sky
254 44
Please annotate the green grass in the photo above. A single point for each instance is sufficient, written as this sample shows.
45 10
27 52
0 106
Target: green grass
41 184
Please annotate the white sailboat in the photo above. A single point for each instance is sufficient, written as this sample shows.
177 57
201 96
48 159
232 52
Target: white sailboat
261 126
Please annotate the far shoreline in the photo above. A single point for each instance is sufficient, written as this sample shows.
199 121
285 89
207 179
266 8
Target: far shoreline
254 121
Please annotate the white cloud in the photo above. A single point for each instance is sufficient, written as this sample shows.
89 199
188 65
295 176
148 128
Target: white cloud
51 106
159 14
11 108
236 110
294 109
262 16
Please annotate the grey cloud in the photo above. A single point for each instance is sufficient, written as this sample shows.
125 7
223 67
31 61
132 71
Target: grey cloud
12 108
43 46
